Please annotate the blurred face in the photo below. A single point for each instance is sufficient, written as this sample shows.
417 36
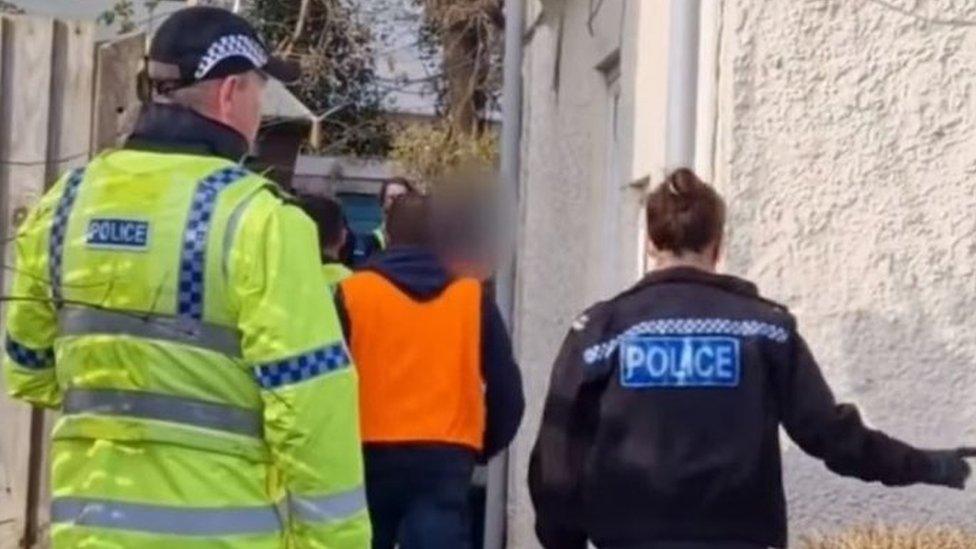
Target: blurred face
470 267
393 190
239 102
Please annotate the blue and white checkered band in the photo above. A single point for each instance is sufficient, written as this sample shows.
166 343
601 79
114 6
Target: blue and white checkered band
688 326
193 257
235 45
26 357
59 227
300 368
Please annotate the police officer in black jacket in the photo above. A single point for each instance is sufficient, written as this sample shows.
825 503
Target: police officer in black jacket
661 425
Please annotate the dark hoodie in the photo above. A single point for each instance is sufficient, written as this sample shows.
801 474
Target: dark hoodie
421 275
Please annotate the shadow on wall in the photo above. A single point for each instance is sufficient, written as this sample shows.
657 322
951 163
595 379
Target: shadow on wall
911 383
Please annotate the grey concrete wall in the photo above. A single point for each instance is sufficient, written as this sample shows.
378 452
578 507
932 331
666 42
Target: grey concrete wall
847 151
562 199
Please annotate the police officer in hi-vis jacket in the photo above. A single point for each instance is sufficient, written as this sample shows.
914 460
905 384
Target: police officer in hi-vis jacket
661 427
171 305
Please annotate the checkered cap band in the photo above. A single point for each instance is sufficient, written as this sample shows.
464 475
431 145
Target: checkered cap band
688 326
193 257
303 367
59 227
35 359
235 45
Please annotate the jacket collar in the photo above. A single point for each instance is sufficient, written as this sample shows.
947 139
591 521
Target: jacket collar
176 129
691 275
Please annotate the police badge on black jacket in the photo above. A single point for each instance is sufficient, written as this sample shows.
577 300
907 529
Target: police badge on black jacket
661 426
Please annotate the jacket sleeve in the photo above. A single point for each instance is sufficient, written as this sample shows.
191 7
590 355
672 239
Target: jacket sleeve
292 340
556 467
28 357
834 432
504 398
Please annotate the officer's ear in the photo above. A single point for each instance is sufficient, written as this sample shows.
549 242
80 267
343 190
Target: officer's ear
227 91
651 250
717 248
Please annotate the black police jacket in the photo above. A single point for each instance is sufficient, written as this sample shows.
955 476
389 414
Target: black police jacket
661 422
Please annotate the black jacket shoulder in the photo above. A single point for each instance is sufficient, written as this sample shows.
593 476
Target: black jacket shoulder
742 294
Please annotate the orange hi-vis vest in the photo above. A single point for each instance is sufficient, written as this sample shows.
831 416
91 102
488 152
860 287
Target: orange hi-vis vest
419 362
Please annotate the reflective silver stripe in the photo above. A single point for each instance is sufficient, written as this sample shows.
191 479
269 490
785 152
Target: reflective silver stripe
80 321
232 222
161 519
188 411
330 508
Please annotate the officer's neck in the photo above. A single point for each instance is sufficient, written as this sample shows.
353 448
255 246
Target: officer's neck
701 261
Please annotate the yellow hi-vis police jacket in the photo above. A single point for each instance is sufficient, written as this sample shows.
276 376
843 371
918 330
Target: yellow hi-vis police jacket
167 305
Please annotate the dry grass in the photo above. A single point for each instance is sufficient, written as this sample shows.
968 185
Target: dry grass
882 537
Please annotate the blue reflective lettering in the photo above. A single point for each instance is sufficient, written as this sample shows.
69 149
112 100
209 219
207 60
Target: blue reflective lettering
687 361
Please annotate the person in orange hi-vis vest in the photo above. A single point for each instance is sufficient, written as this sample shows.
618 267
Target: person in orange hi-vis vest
439 386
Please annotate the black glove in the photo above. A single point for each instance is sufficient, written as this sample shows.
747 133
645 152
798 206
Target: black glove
949 467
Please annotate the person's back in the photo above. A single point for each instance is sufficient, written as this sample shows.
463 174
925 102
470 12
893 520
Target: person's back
164 306
438 385
418 361
136 411
703 459
331 224
661 427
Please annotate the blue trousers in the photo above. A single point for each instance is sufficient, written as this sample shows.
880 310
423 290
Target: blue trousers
419 504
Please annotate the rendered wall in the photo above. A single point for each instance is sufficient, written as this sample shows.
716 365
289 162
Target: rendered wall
845 142
847 151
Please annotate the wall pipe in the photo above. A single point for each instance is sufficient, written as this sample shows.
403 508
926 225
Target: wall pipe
685 21
511 149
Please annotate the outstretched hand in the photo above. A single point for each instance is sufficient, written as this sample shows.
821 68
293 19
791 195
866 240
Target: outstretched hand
968 452
949 467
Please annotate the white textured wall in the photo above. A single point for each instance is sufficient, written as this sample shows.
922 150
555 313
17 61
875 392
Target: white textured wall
847 150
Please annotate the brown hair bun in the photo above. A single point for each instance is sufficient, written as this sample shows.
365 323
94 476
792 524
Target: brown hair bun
684 214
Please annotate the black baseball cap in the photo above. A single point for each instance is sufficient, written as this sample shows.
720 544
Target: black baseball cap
203 43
